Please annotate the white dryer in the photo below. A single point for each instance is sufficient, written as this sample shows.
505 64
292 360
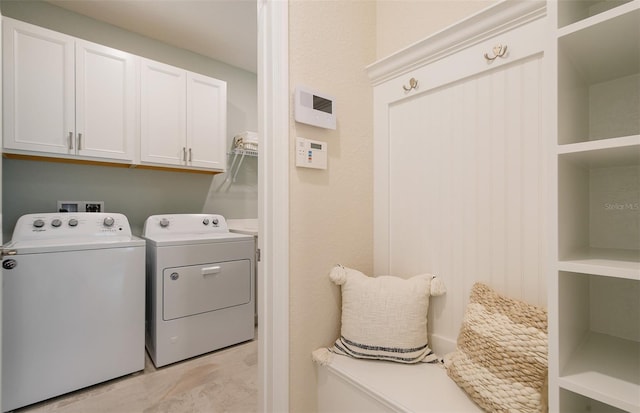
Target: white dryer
72 304
200 286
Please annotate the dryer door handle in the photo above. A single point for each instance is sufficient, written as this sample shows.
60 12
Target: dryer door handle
210 270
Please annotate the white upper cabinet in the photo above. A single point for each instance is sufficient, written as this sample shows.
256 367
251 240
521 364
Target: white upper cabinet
183 118
66 97
38 88
162 116
206 121
105 102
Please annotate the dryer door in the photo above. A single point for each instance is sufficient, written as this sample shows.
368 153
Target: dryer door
199 289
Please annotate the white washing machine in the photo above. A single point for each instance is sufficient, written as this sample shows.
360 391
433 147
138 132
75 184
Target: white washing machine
200 286
72 304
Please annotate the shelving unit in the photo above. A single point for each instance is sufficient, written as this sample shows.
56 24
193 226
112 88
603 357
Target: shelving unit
246 152
595 299
599 320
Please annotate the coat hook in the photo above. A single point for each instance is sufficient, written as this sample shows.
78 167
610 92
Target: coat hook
498 51
413 83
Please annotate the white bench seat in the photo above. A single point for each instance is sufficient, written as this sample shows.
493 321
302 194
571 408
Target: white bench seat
349 385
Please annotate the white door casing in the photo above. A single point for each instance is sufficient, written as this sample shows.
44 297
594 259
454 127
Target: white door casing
273 201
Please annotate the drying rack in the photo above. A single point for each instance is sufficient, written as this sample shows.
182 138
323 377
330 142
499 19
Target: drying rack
244 144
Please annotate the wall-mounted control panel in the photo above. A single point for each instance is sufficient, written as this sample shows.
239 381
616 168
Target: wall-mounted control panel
315 108
311 154
80 206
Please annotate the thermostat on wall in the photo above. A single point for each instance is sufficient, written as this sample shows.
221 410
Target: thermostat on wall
315 108
311 154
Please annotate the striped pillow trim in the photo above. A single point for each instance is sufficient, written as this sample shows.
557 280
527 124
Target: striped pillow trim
348 347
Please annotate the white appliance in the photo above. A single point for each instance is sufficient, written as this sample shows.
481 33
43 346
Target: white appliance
200 286
248 226
72 305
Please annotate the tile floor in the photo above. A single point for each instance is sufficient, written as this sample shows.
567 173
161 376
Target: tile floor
224 381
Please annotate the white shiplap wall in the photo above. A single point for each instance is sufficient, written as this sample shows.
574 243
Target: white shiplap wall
461 177
466 188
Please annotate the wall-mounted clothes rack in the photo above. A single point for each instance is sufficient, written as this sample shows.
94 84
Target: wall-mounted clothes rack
244 144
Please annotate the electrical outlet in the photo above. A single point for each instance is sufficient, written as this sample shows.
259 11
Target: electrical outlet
80 206
93 207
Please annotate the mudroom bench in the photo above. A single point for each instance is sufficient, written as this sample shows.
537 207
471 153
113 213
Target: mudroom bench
351 385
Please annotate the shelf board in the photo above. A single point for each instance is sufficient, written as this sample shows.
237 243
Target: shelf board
605 46
605 262
598 18
607 369
603 152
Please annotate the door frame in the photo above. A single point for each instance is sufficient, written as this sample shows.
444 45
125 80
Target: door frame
273 205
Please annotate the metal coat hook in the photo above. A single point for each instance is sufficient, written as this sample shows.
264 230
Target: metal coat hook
413 83
498 51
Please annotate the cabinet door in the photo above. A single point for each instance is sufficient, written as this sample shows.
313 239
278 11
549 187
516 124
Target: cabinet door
38 89
162 117
206 122
105 102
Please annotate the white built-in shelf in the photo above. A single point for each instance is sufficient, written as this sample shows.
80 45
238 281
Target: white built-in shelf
604 261
606 46
594 348
587 18
607 369
586 11
603 152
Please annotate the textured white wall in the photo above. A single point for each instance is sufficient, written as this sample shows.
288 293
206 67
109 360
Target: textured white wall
400 23
330 210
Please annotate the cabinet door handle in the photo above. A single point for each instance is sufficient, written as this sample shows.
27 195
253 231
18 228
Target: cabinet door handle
70 140
79 141
184 154
189 154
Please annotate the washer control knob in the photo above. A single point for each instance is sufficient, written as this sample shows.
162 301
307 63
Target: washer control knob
73 222
108 221
164 222
38 223
205 221
56 223
215 221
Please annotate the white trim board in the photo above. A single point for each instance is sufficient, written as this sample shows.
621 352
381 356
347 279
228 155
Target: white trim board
499 18
273 201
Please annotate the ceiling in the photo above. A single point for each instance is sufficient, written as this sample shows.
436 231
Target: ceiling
224 30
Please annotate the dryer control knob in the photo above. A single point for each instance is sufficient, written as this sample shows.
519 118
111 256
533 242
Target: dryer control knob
38 223
164 222
56 223
108 221
73 222
214 221
205 221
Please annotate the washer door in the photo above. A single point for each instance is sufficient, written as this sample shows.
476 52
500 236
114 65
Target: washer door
200 289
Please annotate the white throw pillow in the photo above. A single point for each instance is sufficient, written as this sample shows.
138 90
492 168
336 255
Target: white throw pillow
383 318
